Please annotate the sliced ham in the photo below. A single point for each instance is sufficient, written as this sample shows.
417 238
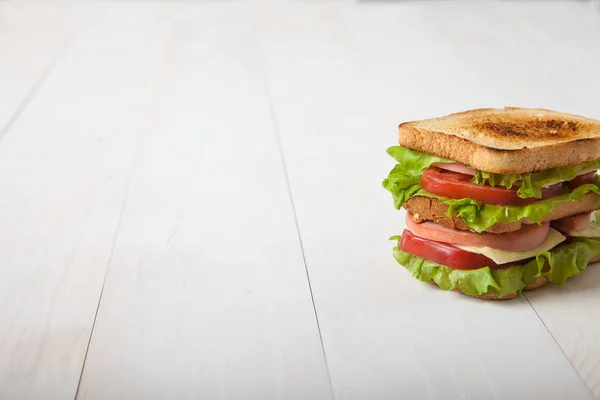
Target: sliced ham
455 167
572 224
527 238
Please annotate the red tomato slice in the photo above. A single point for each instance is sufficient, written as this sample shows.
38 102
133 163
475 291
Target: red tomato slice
443 253
527 238
581 180
572 224
459 186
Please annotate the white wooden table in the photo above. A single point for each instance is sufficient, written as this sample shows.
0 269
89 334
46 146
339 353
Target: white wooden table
191 202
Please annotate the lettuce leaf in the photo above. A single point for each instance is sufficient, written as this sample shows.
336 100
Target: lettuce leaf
415 161
532 183
479 216
403 180
558 265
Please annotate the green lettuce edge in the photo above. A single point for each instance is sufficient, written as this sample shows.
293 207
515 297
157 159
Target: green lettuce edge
480 216
559 264
532 183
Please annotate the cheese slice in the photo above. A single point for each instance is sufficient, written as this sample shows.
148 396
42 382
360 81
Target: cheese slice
591 230
502 256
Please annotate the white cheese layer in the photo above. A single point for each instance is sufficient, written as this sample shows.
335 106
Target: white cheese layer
502 256
591 230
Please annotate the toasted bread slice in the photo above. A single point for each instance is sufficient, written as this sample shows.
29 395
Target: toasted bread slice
430 209
508 140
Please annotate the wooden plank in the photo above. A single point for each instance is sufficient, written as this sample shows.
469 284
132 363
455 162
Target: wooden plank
206 294
31 36
63 172
550 68
342 77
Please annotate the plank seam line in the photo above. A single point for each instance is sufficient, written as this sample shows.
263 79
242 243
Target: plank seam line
560 348
295 215
291 197
121 213
112 250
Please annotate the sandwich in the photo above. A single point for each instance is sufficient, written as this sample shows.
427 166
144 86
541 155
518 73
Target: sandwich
497 201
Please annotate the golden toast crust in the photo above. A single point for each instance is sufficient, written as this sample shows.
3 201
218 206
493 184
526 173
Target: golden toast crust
507 141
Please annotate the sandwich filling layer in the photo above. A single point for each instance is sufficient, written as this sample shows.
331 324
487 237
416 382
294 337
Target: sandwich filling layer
481 232
558 264
482 199
481 266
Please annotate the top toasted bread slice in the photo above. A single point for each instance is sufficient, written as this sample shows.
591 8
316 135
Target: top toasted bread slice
508 140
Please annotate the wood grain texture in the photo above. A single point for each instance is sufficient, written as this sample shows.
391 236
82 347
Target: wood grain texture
144 175
206 294
63 171
342 78
32 35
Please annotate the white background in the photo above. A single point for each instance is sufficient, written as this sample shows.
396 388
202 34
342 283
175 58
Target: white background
191 202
